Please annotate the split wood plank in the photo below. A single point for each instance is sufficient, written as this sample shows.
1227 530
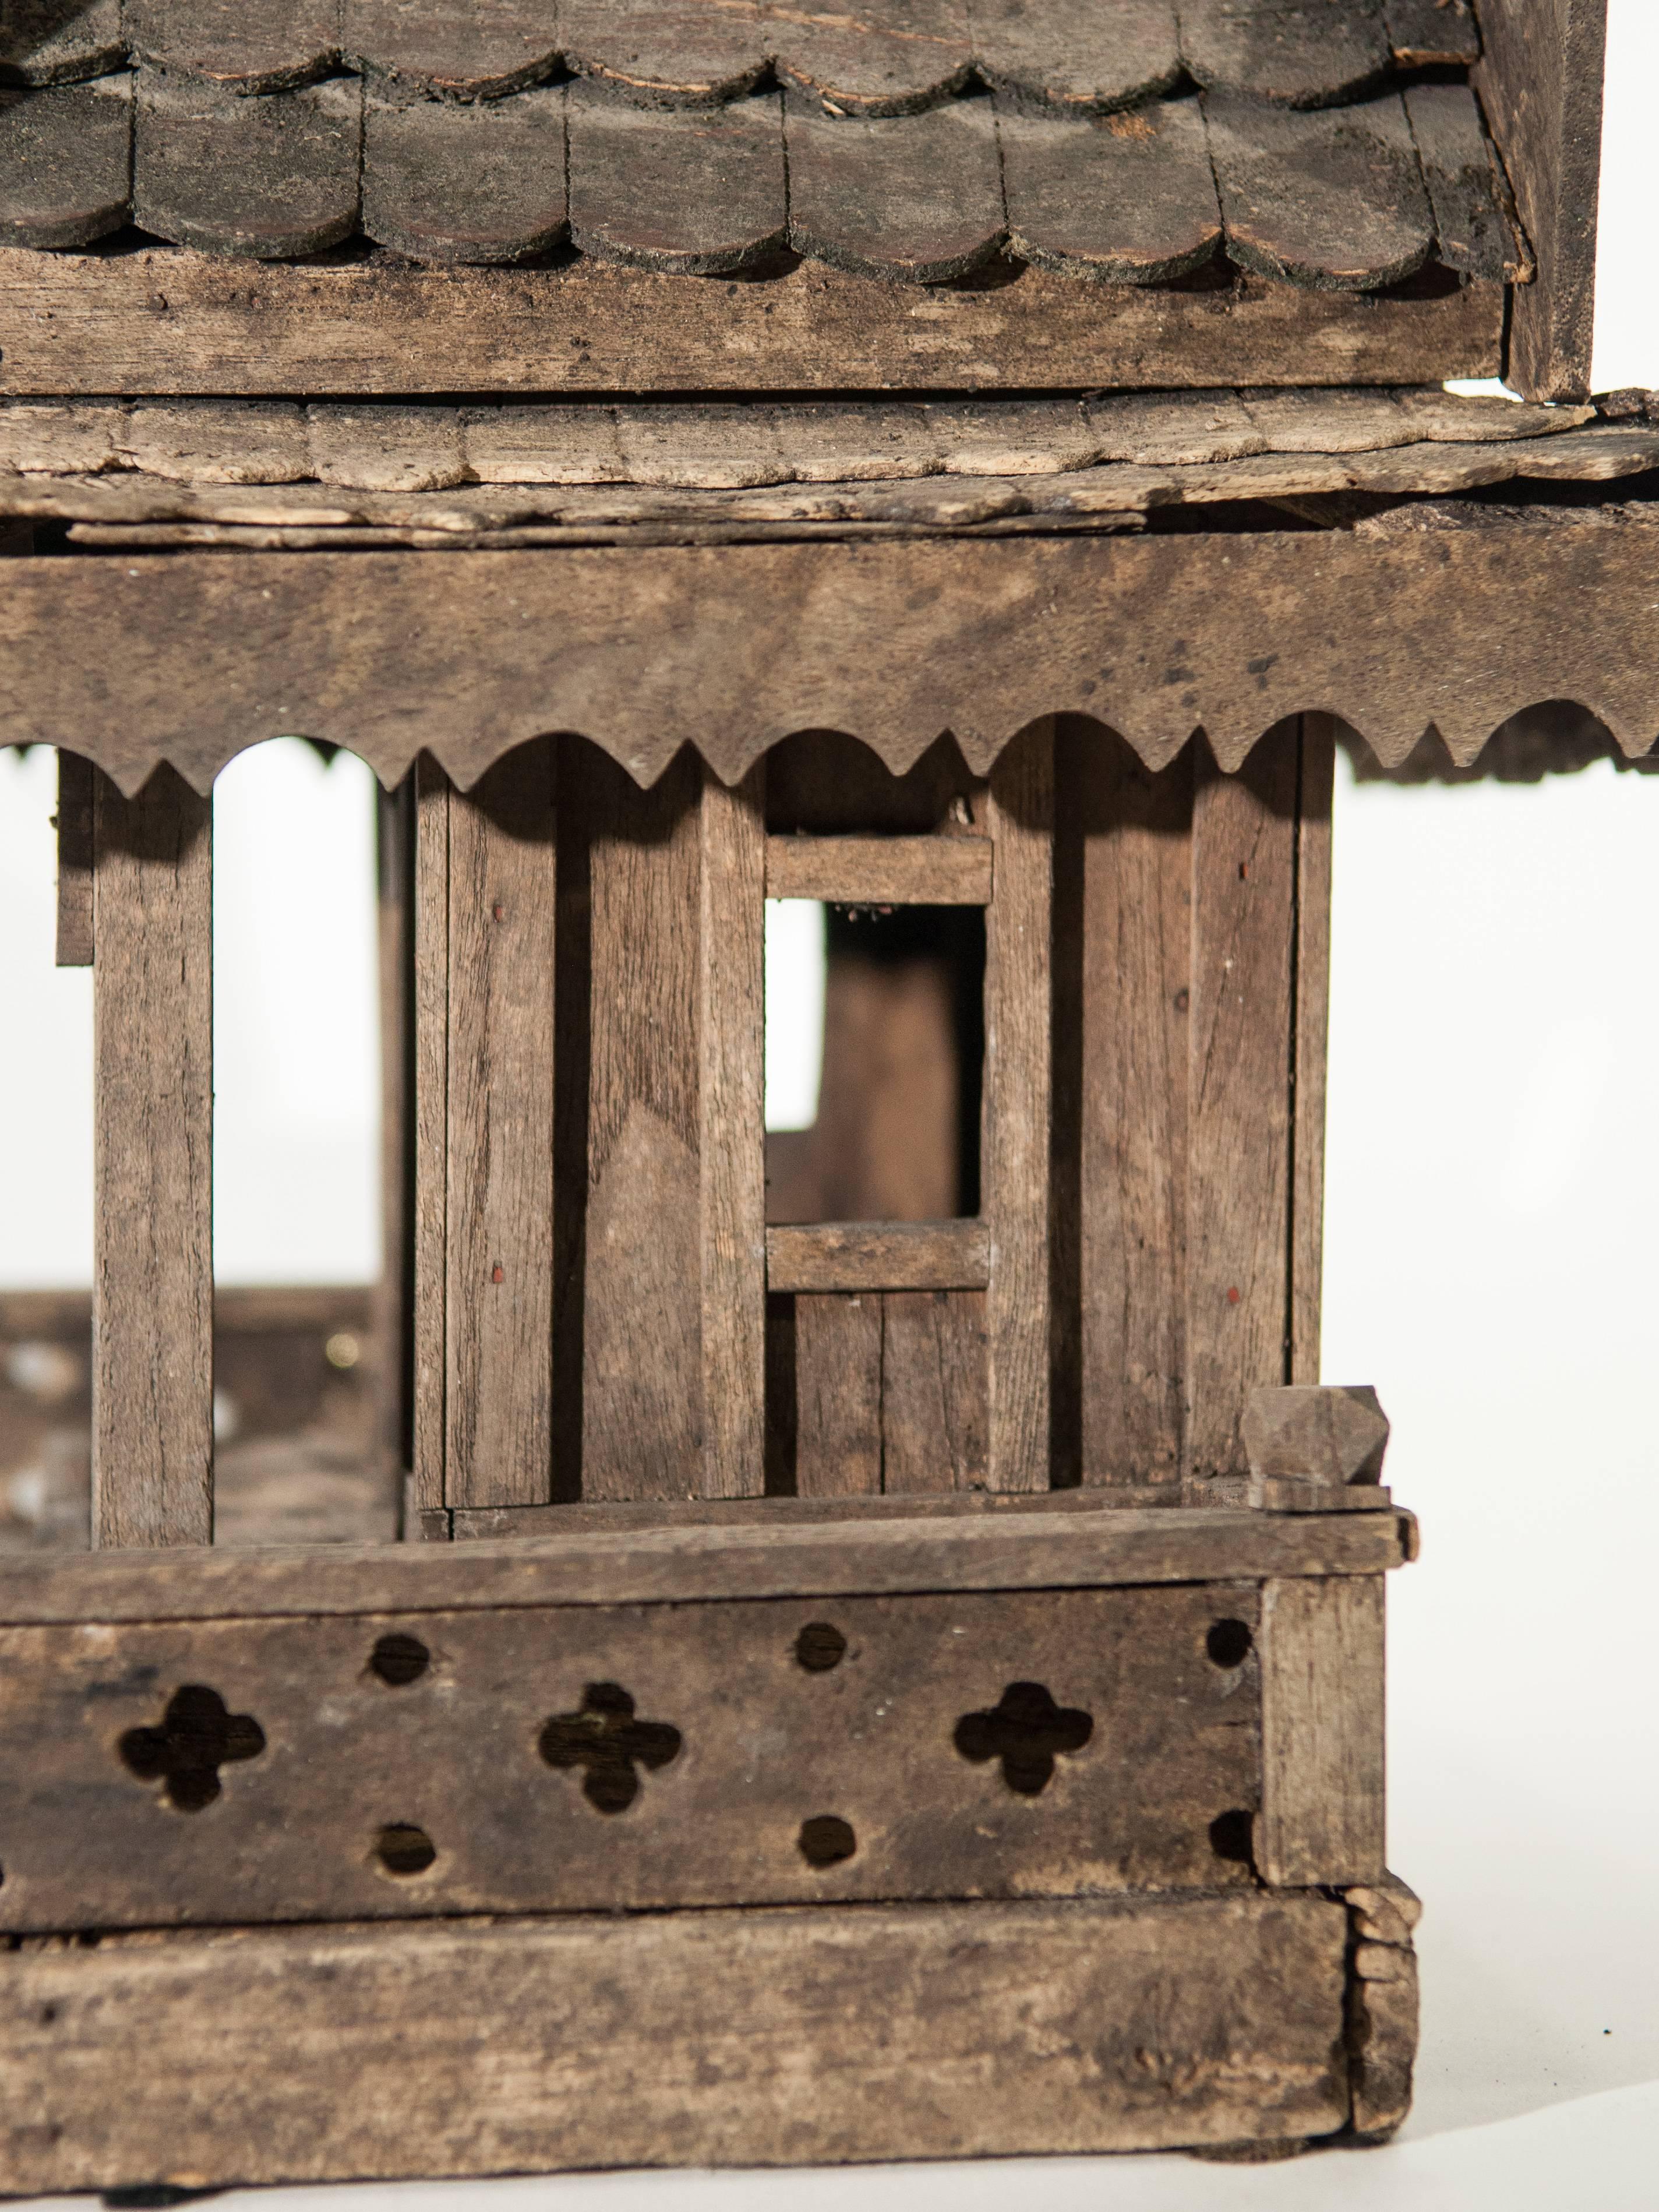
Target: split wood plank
877 1255
42 42
258 179
430 1225
65 164
1127 200
152 1379
1241 1037
838 1366
711 2039
498 1391
272 48
1540 81
918 198
1312 1017
933 1376
459 52
881 871
479 183
687 194
1136 831
74 825
1020 814
644 1422
76 323
731 1139
1322 1795
1471 231
1333 198
1278 50
1071 60
739 1554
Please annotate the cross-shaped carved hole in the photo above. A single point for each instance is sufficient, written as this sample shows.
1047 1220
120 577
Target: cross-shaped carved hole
1024 1729
605 1738
198 1736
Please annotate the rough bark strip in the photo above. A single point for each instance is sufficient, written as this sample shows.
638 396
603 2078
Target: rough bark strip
1313 993
1323 1804
933 1373
152 1383
732 1143
431 1107
838 1367
498 1390
1241 1042
75 851
705 2038
1016 1094
1137 830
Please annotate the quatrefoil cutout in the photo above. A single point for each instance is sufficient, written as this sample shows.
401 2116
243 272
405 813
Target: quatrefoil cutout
1025 1729
198 1734
604 1738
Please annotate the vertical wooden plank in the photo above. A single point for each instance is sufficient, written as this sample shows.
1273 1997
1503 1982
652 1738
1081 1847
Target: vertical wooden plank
1313 998
1238 1195
152 1387
732 1145
1015 1185
643 1390
1137 989
1323 1740
838 1361
430 1225
74 825
933 1391
393 1301
499 1257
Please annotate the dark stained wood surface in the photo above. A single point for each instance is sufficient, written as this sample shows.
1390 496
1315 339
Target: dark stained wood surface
447 183
1322 1798
877 1255
933 1373
838 1362
247 178
919 198
1128 199
1284 50
708 2038
683 54
459 52
1077 58
270 48
152 1328
429 1227
1432 33
684 193
1471 231
65 164
45 42
76 848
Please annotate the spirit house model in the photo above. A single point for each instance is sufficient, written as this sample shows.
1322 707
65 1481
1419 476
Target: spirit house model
885 1654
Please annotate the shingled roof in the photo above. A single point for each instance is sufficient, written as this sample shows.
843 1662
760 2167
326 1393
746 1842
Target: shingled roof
1333 144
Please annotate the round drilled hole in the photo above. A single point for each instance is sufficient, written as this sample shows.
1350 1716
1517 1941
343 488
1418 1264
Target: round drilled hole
820 1647
397 1659
826 1839
1229 1642
1230 1836
403 1849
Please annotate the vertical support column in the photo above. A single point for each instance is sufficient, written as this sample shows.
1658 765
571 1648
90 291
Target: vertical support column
1313 996
1322 1731
498 1386
431 1107
75 805
838 1409
393 1301
152 1386
731 1147
1018 1048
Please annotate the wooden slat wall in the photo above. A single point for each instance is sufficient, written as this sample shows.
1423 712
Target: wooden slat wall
152 1392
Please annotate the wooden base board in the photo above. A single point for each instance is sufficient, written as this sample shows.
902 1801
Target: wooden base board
814 2035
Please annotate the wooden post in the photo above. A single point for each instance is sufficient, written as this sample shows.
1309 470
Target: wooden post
431 1108
1015 1180
731 1147
74 825
1313 1000
152 1390
1323 1719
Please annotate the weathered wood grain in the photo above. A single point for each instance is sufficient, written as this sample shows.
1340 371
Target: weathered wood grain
877 1255
392 1302
79 324
1276 49
152 1330
272 48
429 1227
881 871
479 183
75 846
1540 79
1016 1104
261 441
933 1376
1090 58
890 58
1322 1798
256 179
1240 1041
918 198
65 164
44 42
1432 33
1472 233
689 55
498 1392
459 52
838 1363
685 193
1128 199
708 2038
1313 1000
731 1133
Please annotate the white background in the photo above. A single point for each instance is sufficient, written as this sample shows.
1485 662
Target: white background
1493 1265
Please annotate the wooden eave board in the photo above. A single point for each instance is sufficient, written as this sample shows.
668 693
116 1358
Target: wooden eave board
730 649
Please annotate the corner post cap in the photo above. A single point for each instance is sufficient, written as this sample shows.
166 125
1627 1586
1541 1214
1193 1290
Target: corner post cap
1315 1448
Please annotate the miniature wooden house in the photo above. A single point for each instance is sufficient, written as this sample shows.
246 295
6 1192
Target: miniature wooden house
887 1656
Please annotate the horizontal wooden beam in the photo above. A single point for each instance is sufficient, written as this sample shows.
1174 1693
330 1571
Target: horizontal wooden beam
744 1558
168 319
702 2038
878 1255
881 871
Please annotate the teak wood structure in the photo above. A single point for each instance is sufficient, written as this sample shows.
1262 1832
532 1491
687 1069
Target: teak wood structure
881 1664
